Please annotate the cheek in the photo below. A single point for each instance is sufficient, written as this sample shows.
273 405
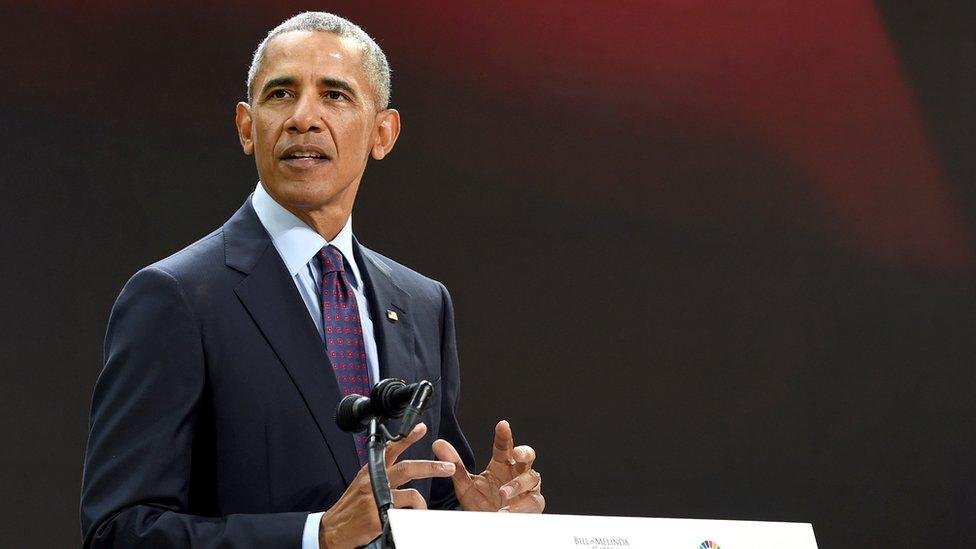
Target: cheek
265 136
351 120
357 134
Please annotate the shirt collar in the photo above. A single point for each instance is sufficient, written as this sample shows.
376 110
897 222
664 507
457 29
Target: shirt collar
296 242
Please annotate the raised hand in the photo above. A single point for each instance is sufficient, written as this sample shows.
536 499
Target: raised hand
354 519
508 484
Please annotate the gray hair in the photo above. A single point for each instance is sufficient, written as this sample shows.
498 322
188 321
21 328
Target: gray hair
374 60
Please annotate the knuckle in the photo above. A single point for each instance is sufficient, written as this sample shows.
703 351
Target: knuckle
409 498
395 472
405 466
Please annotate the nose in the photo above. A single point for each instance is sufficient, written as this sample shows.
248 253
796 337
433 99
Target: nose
307 116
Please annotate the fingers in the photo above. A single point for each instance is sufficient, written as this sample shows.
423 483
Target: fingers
527 503
470 498
408 499
412 469
445 451
524 457
501 451
394 450
529 481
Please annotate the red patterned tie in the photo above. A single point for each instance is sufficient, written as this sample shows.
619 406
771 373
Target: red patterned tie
343 332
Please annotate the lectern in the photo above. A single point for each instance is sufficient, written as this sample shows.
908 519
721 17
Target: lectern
415 529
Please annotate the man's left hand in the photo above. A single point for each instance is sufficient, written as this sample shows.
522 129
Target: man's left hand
508 484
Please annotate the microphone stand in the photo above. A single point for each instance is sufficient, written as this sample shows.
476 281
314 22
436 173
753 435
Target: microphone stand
379 436
376 464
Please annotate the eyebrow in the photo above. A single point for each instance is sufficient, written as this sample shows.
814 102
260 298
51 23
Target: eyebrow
277 82
338 84
325 82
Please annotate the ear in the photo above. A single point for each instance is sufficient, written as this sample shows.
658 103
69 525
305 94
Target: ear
244 126
387 130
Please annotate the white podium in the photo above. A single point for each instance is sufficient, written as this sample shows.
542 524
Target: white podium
415 529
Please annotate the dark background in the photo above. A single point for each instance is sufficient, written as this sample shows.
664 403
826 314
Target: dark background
712 259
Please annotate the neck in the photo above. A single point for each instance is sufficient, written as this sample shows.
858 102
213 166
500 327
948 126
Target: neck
327 221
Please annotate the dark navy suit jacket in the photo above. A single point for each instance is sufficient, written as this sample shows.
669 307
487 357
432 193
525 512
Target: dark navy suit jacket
212 421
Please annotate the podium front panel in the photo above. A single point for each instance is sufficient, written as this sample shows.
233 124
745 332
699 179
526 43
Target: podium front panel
417 529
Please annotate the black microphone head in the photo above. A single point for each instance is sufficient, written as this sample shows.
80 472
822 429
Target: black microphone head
353 413
387 395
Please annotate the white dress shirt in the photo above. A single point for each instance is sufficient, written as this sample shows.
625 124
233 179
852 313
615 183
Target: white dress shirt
298 244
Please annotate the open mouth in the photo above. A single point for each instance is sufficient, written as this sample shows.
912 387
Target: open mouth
304 156
312 156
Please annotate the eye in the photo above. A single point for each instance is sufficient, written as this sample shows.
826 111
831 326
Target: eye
278 94
335 95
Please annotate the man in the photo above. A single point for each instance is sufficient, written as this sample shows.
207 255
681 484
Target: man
212 421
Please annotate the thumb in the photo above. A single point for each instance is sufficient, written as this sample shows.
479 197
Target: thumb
445 451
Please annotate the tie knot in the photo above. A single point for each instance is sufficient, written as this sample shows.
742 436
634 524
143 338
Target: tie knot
331 259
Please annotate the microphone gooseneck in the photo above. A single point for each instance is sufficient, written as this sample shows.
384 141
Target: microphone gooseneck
389 399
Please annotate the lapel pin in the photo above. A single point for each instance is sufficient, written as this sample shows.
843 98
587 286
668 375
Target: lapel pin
392 316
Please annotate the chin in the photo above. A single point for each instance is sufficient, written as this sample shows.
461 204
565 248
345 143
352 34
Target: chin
304 195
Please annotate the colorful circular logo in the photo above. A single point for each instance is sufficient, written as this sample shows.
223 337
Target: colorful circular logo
708 544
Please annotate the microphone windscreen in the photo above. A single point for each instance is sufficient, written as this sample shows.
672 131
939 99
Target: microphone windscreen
350 414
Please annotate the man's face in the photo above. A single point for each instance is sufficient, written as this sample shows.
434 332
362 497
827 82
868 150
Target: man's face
313 122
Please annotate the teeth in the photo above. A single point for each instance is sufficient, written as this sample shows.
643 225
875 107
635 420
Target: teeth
309 154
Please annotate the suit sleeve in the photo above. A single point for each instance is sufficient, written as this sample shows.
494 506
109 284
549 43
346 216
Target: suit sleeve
135 491
442 489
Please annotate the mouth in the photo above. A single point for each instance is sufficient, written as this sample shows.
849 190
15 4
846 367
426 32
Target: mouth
304 156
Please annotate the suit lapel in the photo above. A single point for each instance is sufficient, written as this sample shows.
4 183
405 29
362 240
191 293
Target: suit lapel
269 295
394 338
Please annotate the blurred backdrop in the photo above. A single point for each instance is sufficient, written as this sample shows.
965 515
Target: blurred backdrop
711 259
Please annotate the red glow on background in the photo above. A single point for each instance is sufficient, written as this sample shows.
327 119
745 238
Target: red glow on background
816 84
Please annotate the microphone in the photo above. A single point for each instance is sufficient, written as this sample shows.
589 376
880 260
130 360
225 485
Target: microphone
390 398
411 414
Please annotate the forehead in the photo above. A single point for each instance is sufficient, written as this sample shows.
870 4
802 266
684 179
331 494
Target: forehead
312 54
